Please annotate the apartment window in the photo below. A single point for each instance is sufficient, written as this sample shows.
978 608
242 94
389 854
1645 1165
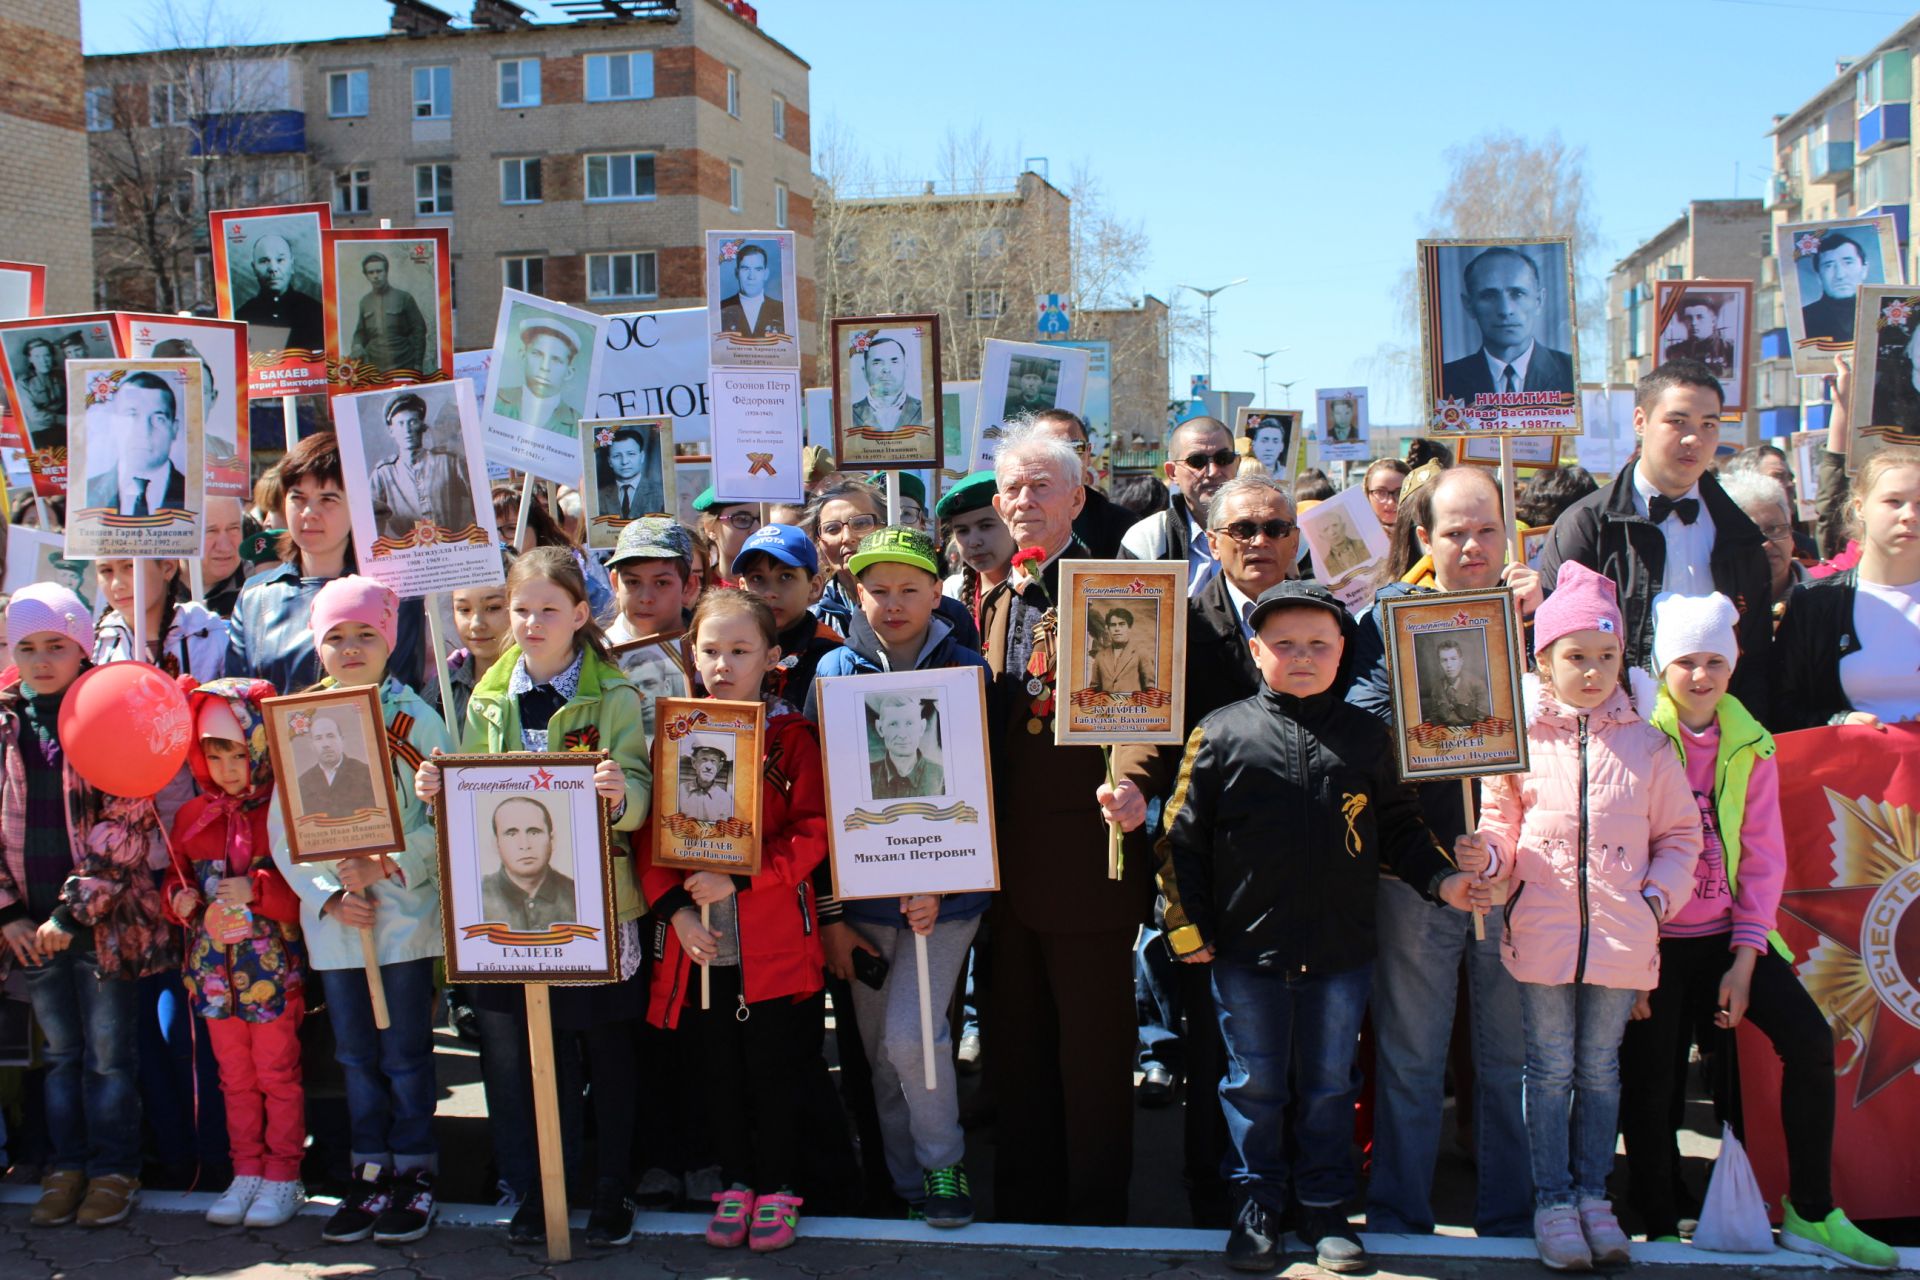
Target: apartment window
619 77
432 93
985 304
621 275
779 116
625 175
167 105
520 82
353 191
993 242
780 205
102 207
100 109
1636 327
181 195
346 94
906 246
529 275
736 187
520 181
433 188
846 246
733 92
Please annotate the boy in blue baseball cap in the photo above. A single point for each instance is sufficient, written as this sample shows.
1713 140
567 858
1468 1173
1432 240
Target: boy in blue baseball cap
779 565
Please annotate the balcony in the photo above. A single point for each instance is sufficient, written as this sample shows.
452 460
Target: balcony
1888 125
1774 345
1783 191
1830 163
250 133
1783 421
1818 416
1899 212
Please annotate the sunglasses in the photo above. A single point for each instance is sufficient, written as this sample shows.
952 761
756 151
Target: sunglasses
1244 530
1201 461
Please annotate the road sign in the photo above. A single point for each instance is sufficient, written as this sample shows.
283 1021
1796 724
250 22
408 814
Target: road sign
1052 319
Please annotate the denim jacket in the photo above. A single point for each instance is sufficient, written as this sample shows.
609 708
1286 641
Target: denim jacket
270 636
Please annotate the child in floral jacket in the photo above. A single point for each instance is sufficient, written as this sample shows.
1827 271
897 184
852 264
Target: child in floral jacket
245 970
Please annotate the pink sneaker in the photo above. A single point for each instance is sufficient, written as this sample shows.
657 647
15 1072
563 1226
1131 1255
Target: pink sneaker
776 1222
728 1227
1604 1237
1556 1234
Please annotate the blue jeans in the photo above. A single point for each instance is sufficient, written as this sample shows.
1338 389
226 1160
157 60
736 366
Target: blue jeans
176 1053
92 1088
1572 1087
390 1083
1421 946
1156 1004
1291 1080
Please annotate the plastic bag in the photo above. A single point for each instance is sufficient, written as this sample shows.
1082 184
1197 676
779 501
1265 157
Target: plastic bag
1734 1218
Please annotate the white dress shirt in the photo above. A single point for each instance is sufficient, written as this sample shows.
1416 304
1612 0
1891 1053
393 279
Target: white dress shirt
1201 564
153 482
1689 546
750 308
1242 609
1518 365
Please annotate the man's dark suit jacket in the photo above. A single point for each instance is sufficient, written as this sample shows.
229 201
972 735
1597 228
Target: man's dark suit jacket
733 318
298 313
104 491
1829 318
352 790
1548 370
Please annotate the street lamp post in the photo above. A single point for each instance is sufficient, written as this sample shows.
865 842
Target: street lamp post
1263 357
1207 308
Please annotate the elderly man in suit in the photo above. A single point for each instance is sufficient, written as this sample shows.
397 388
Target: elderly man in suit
751 311
338 786
1253 537
146 422
548 354
886 404
1501 287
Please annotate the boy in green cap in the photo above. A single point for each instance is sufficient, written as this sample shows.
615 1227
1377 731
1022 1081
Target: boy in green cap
652 568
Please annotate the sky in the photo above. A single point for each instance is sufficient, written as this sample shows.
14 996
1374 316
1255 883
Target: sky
1298 145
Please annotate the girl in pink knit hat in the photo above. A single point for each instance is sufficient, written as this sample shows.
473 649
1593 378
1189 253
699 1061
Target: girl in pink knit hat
1597 842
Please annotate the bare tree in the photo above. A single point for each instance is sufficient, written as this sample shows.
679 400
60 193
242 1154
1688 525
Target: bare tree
1501 184
195 125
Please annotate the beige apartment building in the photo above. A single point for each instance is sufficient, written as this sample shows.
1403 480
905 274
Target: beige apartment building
583 160
42 120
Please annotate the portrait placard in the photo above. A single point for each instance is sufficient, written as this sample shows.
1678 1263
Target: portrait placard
1342 431
267 272
23 290
1528 451
221 348
816 412
34 352
1807 446
1710 321
1823 267
417 499
706 784
1347 542
753 300
758 452
887 415
33 556
630 474
1024 377
1453 661
909 787
658 670
1271 437
543 383
1606 437
1533 543
1498 337
1123 636
695 475
526 871
330 753
138 481
959 407
389 307
1885 407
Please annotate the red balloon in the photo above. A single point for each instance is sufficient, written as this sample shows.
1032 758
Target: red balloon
126 728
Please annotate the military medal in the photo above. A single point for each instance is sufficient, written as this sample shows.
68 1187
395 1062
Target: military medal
1035 686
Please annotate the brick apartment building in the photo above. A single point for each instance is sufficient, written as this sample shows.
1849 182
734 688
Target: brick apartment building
581 160
43 122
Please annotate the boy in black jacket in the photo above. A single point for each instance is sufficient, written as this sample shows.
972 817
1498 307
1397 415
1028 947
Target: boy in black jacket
1286 805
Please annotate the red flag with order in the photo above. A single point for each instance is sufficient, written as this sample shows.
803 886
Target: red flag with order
1850 802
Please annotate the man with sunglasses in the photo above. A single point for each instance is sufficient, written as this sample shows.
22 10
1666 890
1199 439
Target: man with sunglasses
1200 459
1253 536
1102 522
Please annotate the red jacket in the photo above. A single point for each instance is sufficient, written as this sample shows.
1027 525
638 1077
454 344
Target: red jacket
272 897
780 954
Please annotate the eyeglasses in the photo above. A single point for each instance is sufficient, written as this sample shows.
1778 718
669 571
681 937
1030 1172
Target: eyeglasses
1218 458
1382 495
1244 530
742 520
862 525
1777 532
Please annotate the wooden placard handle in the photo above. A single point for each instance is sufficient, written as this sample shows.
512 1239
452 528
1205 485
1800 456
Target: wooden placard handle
1466 798
706 974
546 1122
926 1006
376 987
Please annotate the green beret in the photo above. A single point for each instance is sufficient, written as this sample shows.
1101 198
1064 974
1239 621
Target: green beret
971 494
911 485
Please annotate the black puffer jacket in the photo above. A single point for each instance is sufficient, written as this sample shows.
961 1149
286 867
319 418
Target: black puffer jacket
1283 813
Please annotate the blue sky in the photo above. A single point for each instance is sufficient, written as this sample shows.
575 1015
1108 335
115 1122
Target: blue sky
1299 145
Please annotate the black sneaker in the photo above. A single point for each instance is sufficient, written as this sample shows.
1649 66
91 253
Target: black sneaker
360 1207
611 1221
529 1222
1335 1243
411 1214
1254 1242
949 1201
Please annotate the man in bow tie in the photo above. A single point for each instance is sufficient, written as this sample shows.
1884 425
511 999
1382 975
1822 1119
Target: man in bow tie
1664 524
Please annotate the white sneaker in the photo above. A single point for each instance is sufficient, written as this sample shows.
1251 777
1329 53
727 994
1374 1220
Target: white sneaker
276 1203
231 1208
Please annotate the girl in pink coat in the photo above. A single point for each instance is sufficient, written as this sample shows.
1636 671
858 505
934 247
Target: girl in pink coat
1597 842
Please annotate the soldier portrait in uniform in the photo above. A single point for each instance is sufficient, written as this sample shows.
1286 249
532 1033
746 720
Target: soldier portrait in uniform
390 331
1885 404
1453 677
903 744
415 477
526 889
35 355
1031 381
706 778
543 374
1823 267
1708 321
389 307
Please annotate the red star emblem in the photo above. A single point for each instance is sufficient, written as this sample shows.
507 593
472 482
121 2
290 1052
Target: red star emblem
542 779
1462 620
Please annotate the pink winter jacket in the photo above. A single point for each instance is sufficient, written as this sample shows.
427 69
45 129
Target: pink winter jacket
1604 814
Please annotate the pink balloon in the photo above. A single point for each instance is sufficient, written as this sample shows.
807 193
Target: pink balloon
126 728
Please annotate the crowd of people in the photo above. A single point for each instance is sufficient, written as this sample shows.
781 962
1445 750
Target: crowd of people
1284 897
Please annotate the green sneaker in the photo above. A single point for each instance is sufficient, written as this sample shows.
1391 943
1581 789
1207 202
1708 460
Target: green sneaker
1836 1238
949 1201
